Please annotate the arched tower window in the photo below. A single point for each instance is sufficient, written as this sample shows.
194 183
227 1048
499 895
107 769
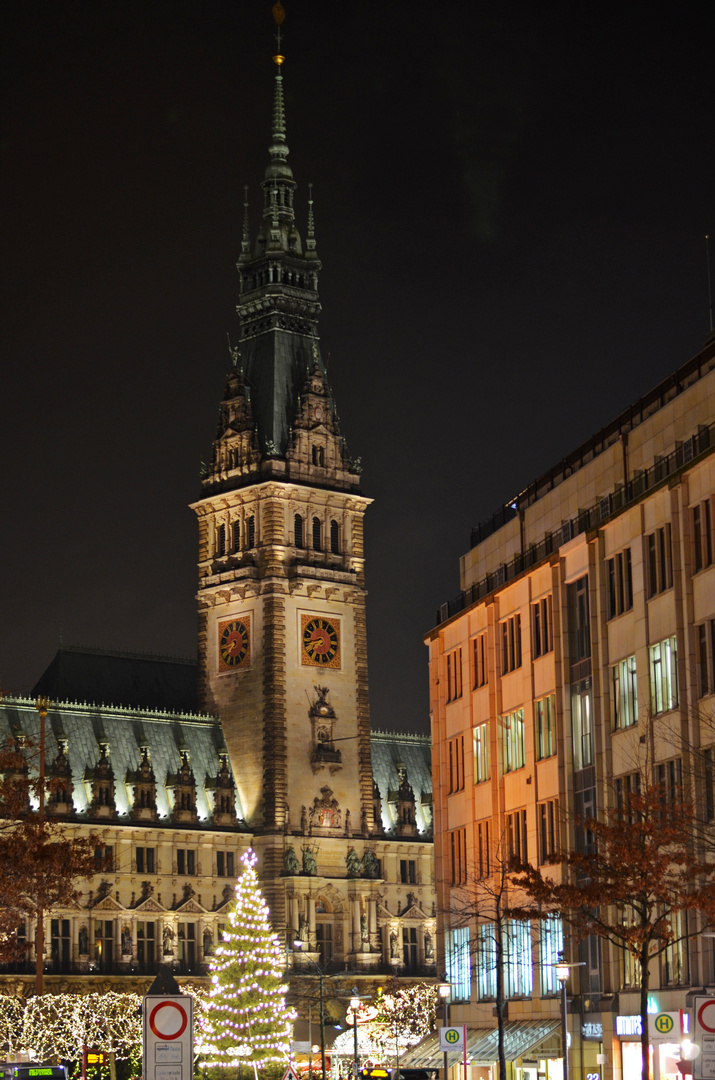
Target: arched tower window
319 456
237 536
298 531
251 531
334 537
317 546
221 545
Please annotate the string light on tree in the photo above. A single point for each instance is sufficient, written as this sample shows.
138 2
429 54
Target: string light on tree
246 1019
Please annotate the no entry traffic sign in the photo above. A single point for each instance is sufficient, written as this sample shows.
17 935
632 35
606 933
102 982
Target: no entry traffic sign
168 1020
704 1036
168 1037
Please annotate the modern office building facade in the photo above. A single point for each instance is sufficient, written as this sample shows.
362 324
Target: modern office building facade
578 654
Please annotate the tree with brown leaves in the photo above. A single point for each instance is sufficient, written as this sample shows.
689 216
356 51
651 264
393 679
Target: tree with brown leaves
638 883
39 863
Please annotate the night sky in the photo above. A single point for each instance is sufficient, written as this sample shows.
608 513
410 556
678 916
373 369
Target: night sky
511 205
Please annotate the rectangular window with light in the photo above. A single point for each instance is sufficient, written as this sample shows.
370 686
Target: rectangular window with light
551 944
481 753
581 725
513 747
519 974
664 675
545 716
458 963
624 693
486 962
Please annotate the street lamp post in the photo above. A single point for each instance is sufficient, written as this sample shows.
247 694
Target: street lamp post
298 945
42 705
444 990
562 974
355 1005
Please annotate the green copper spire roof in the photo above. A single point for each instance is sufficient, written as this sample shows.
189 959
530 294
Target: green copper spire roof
279 303
283 374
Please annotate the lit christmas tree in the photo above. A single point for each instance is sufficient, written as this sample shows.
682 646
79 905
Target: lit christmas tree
246 1018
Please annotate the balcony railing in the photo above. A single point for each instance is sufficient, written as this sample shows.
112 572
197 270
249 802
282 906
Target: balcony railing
607 506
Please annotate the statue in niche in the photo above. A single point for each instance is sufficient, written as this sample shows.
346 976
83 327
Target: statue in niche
323 720
363 928
126 941
393 945
290 861
370 864
208 942
353 863
310 865
429 954
302 928
83 941
167 941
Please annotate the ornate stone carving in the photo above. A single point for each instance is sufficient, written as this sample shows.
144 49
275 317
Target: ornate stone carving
325 813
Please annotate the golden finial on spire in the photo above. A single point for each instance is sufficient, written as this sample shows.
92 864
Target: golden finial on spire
278 17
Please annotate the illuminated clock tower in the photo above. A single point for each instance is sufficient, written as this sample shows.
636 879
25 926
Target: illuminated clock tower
282 639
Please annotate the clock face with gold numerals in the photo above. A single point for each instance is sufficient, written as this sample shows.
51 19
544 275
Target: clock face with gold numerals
234 643
320 641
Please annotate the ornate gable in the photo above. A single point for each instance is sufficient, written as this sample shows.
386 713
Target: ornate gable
183 784
150 905
235 449
101 780
108 903
191 907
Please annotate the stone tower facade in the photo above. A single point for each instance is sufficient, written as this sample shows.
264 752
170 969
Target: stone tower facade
282 636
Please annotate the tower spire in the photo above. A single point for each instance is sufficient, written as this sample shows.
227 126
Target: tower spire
245 237
310 232
278 150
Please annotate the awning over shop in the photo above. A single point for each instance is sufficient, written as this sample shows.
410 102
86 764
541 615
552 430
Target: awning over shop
520 1038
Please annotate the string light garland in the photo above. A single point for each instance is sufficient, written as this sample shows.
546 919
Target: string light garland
407 1016
246 1019
59 1025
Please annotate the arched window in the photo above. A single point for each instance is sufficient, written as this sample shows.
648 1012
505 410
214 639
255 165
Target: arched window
221 540
251 531
316 535
237 536
334 537
298 531
319 456
324 930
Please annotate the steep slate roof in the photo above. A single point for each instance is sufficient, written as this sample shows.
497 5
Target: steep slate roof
127 698
132 680
84 727
392 751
